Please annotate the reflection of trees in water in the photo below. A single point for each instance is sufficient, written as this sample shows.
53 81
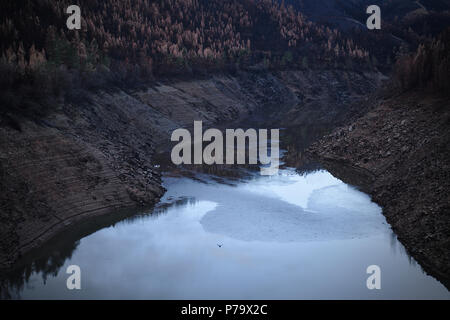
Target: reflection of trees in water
160 208
397 247
48 259
225 173
180 202
12 283
295 141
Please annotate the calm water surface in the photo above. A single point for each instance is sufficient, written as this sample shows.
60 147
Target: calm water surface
289 236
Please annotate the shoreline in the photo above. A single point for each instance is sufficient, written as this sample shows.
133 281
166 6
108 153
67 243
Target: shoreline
404 166
85 159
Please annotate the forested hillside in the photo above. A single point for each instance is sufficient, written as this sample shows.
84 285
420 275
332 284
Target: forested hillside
169 36
405 24
427 68
123 42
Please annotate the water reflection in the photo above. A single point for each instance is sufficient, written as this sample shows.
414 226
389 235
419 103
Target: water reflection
48 259
289 236
13 283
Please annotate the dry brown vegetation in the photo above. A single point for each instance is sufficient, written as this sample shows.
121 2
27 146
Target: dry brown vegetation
428 67
168 35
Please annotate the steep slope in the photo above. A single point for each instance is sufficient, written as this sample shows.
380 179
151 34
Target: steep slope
170 36
398 152
405 24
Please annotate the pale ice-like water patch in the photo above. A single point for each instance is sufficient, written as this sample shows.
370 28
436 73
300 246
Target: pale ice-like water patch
290 207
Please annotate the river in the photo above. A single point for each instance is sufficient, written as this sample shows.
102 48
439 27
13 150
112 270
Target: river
291 236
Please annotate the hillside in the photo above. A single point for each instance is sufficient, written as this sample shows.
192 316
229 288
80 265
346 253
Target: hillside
85 115
398 152
405 24
169 36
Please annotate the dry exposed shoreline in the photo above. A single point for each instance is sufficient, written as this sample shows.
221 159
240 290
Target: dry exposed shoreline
95 158
399 153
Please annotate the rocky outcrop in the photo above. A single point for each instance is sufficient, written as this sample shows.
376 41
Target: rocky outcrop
399 153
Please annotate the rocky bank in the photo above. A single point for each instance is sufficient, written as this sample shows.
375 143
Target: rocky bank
399 153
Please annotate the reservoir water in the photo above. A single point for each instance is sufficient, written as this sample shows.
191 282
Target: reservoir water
289 236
